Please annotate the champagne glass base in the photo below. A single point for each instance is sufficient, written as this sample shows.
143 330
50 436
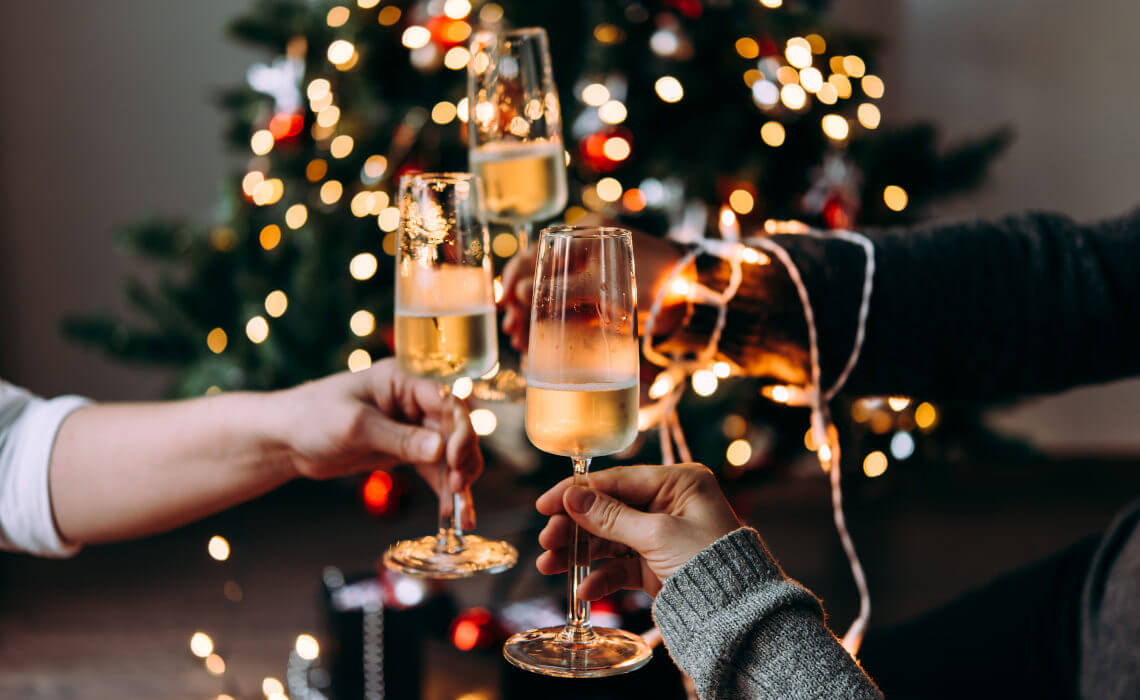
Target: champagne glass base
420 557
609 653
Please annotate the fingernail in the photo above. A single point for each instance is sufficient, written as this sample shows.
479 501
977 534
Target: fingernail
579 499
429 445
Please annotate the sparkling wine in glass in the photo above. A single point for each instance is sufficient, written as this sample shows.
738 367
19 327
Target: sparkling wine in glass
515 128
445 329
581 402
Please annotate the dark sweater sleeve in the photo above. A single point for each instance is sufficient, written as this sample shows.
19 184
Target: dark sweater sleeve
978 310
740 628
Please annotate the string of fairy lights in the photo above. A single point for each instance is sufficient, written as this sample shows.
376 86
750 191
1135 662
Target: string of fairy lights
782 84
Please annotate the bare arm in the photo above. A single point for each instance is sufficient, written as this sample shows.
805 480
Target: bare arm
127 470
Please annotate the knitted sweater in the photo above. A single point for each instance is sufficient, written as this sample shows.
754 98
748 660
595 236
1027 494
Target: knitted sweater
742 629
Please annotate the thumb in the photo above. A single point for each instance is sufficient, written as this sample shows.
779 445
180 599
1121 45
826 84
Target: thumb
407 443
608 518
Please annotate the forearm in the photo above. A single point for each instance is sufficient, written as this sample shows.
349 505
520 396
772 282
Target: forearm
740 628
126 470
979 310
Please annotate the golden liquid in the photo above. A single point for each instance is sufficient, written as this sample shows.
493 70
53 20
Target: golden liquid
445 346
524 182
581 420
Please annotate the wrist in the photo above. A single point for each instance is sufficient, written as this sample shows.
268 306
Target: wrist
271 424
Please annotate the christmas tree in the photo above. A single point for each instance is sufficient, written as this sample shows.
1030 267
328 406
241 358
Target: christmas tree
674 110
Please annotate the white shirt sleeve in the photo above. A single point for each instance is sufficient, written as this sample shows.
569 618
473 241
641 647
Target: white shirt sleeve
28 426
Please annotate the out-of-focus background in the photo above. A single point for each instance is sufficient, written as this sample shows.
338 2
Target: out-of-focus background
108 113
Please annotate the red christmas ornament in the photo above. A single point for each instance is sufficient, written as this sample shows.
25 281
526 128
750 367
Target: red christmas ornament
448 32
476 628
835 212
286 126
593 148
379 493
689 8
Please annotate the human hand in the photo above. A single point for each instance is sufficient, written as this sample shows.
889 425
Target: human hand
651 520
654 258
376 419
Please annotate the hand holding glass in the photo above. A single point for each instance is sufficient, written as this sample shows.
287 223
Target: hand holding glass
581 402
445 329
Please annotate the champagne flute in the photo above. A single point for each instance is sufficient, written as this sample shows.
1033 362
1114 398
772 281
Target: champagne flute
515 128
445 329
581 402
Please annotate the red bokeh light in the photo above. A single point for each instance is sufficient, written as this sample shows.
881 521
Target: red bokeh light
474 628
284 126
377 492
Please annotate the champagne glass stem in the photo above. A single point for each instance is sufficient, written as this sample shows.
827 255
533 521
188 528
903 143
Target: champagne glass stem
450 536
578 614
523 230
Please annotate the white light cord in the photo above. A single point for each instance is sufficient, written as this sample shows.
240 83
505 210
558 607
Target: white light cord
664 414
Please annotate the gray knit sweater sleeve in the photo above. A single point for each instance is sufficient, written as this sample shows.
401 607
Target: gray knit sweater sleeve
740 628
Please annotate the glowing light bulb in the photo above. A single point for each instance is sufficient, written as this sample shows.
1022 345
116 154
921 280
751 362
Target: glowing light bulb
341 52
835 126
505 245
895 197
902 445
456 58
739 453
201 645
483 420
341 146
296 216
215 665
362 266
443 112
276 302
595 94
869 115
261 142
772 133
873 86
216 340
669 89
875 464
704 382
722 369
661 386
462 388
362 323
616 148
612 112
307 647
388 219
415 37
337 16
359 360
609 189
793 96
741 201
898 403
218 548
257 329
925 415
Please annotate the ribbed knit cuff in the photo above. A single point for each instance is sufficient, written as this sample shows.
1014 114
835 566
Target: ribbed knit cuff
714 579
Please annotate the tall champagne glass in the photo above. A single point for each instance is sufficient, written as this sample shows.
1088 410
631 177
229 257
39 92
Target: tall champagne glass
515 128
581 402
445 329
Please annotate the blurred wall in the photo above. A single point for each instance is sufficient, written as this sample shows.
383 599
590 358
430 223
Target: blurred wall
1058 72
105 114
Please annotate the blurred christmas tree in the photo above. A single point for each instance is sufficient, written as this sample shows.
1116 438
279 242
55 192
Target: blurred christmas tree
673 109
